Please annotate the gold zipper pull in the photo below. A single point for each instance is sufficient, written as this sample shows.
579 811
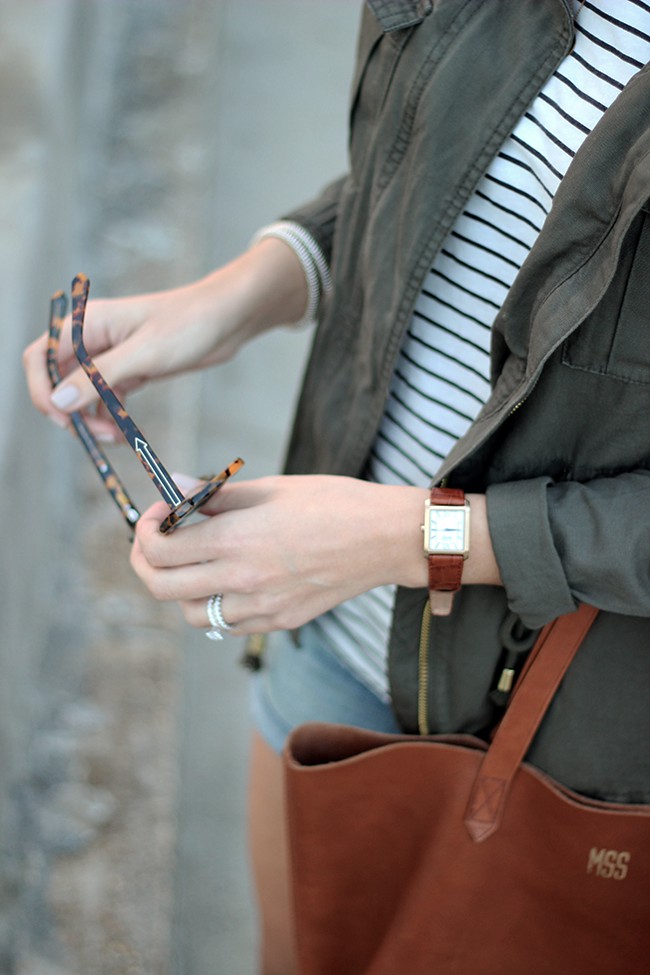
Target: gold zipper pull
506 680
253 651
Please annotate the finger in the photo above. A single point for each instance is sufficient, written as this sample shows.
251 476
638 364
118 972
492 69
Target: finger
190 544
107 323
147 531
178 583
242 620
38 379
237 495
195 612
119 367
101 423
104 429
172 555
75 392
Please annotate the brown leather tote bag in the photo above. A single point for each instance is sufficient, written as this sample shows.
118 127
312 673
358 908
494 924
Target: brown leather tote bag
440 855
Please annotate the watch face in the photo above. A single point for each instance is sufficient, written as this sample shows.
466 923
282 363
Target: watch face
446 530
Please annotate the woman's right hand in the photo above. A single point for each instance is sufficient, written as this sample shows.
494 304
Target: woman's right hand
139 339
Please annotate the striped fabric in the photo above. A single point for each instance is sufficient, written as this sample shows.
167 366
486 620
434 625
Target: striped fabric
441 378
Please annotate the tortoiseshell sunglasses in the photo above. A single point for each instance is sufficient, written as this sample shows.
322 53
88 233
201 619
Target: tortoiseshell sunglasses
180 505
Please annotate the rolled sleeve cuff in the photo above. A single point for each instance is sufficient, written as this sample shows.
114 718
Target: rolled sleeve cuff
536 586
319 217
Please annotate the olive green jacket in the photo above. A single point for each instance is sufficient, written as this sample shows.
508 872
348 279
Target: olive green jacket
562 448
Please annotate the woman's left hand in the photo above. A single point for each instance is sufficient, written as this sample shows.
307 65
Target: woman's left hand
284 549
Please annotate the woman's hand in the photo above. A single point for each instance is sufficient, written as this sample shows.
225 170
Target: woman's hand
284 549
136 340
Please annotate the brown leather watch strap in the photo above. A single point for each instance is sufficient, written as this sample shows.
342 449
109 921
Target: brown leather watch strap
445 572
452 496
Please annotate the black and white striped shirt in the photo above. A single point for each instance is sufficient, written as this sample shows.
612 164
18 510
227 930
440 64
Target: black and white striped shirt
441 379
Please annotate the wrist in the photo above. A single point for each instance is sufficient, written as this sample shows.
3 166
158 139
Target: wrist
457 545
312 260
262 288
403 540
273 285
481 566
402 515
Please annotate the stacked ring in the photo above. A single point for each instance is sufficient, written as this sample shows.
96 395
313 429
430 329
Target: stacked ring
216 618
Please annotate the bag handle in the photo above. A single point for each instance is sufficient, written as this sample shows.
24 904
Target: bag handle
554 650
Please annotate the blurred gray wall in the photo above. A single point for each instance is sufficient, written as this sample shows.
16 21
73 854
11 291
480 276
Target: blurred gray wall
142 142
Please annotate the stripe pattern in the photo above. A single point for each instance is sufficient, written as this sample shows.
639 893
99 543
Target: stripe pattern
442 375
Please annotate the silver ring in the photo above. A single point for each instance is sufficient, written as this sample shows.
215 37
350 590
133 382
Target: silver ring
216 618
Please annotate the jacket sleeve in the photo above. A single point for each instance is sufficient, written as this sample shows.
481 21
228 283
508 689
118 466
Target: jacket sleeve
559 544
318 217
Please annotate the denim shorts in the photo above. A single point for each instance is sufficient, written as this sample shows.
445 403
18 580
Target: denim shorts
309 683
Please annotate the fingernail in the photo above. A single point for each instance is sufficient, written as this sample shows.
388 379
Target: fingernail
64 396
105 436
185 482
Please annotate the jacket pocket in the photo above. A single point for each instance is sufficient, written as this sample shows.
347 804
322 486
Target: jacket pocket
614 340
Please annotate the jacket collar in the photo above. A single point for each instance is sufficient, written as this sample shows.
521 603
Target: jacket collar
399 14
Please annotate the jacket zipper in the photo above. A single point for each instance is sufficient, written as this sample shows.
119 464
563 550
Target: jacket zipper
523 399
423 671
425 627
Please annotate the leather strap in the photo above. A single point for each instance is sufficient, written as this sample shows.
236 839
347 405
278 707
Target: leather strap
554 650
445 572
441 602
440 495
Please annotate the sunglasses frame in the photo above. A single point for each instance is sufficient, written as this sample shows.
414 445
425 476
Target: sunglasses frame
181 506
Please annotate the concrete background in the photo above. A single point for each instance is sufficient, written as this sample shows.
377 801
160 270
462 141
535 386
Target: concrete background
142 142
